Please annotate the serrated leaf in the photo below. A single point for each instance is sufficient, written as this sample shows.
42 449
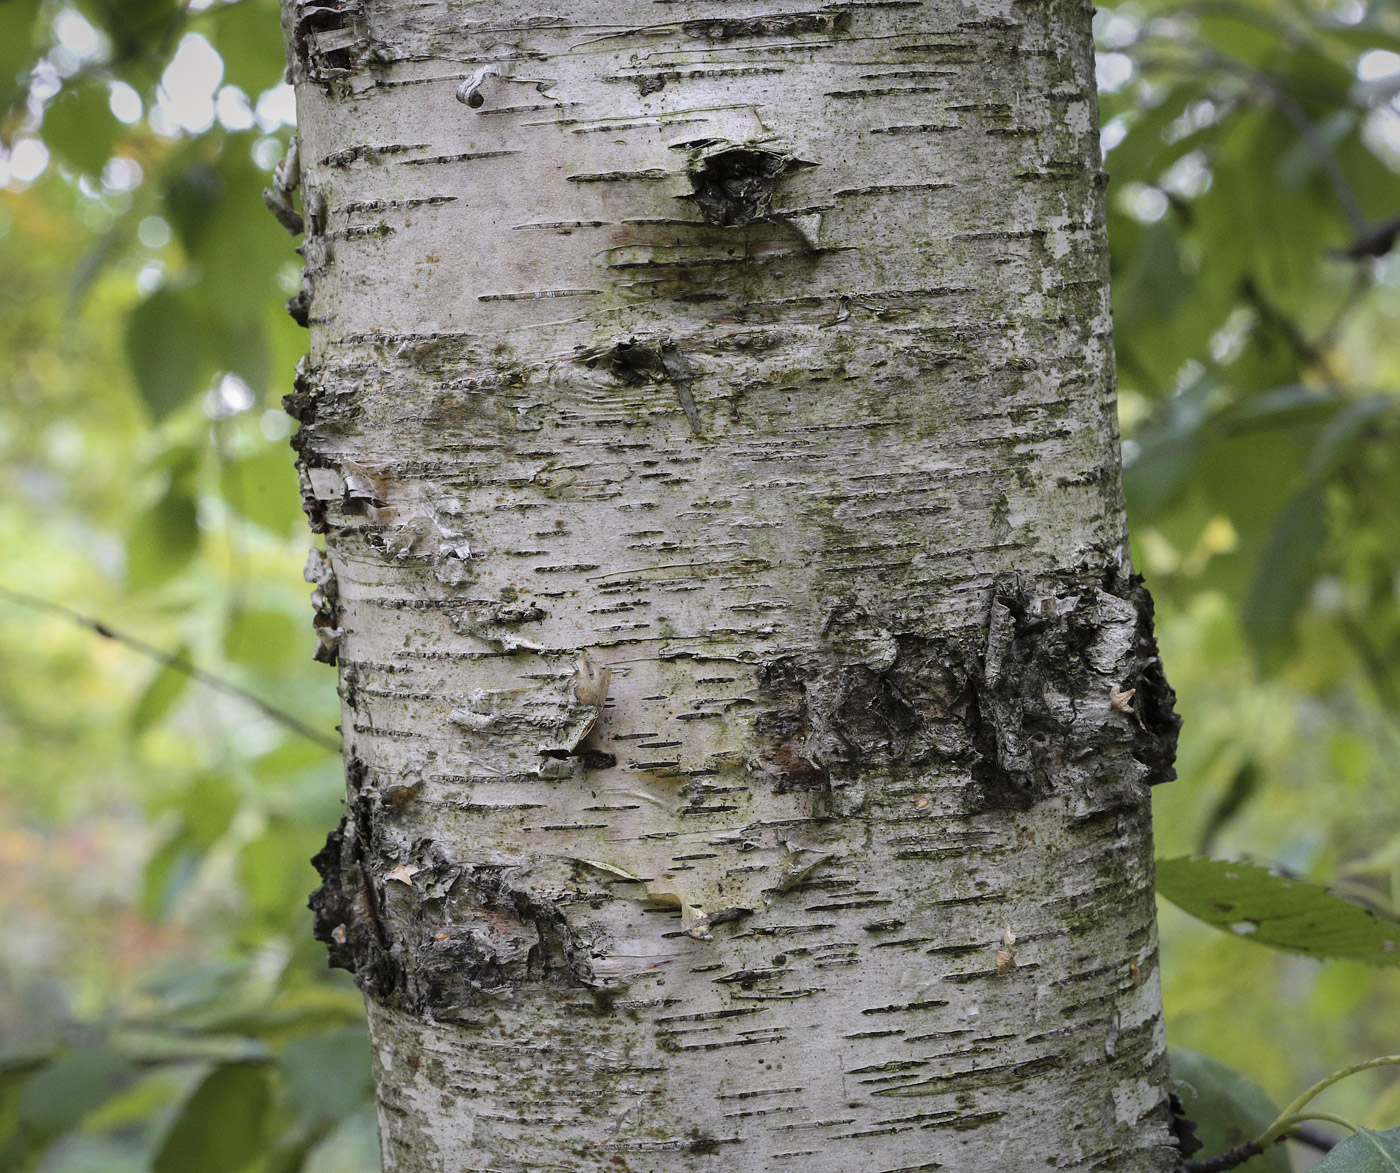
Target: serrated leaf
1226 1108
221 1127
1364 1152
1262 906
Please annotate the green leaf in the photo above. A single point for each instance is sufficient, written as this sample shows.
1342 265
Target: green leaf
263 488
1244 785
290 1153
244 246
1169 452
79 127
222 1125
166 875
275 873
248 36
176 1047
56 1098
240 343
1154 282
107 248
1262 906
162 539
208 806
1345 430
354 1145
328 1076
1226 1108
269 640
204 996
1364 1152
215 204
142 31
160 695
163 348
1302 160
16 46
191 195
1286 570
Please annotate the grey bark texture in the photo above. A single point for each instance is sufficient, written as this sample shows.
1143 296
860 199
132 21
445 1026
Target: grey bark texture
749 708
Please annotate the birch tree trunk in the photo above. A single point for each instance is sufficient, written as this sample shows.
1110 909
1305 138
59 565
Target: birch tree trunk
749 708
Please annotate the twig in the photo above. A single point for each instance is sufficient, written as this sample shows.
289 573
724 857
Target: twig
1320 147
1270 315
1294 1112
170 660
1375 241
1226 1160
1369 240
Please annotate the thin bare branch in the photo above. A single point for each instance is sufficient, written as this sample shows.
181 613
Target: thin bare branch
172 661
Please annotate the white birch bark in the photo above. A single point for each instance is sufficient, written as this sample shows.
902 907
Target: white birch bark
748 708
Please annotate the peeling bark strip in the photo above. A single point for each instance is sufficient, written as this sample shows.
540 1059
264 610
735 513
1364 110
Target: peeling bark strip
748 705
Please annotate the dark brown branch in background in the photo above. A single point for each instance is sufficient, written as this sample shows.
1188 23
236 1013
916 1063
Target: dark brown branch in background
1308 1134
1270 317
1226 1160
1369 240
1373 242
1315 1138
174 662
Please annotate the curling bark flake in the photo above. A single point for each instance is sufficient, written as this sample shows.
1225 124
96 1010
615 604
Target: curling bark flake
748 706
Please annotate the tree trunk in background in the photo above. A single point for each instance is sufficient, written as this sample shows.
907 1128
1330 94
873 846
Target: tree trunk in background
748 707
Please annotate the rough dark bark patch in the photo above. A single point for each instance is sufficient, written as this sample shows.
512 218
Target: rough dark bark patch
1064 693
777 25
637 361
734 185
1040 722
346 908
478 933
1183 1128
444 936
323 56
1159 724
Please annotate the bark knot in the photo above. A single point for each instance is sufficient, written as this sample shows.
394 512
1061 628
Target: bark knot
734 185
1069 697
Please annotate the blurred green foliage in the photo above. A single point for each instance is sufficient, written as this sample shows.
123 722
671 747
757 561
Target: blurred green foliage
162 1004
